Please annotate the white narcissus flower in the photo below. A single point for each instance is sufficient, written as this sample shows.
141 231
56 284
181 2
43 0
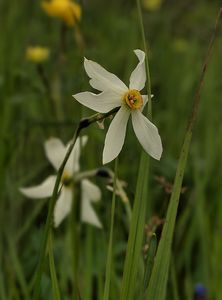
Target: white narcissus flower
114 93
55 152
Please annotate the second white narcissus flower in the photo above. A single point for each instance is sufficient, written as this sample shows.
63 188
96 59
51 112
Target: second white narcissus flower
55 152
114 93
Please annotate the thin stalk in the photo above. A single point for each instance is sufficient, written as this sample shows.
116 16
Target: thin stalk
48 90
88 269
74 246
79 38
136 233
82 124
109 264
55 285
174 281
30 220
148 85
18 268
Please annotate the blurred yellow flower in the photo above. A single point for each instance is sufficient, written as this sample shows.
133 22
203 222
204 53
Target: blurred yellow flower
152 5
66 10
37 54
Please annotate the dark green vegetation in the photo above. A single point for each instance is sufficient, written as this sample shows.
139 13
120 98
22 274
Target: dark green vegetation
177 34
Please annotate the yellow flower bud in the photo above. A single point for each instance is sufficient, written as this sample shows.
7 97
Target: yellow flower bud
37 54
65 10
152 5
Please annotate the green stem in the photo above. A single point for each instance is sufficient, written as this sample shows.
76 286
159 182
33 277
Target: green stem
55 285
82 124
74 245
45 81
17 267
148 85
110 248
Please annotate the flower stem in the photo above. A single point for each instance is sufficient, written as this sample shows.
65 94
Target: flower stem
110 247
55 285
82 124
45 81
148 85
74 244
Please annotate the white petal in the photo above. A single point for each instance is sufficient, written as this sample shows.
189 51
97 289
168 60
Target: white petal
103 80
116 134
90 193
102 102
147 134
138 76
72 164
63 206
55 151
42 190
145 100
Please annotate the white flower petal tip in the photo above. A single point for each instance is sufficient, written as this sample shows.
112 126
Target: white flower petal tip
72 164
90 193
157 153
43 190
147 134
138 76
116 135
55 151
103 102
139 52
103 80
63 206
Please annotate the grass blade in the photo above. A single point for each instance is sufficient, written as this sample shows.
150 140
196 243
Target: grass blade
55 285
150 260
158 282
110 247
133 254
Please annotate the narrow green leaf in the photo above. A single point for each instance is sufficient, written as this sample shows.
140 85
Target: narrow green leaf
106 295
150 260
55 286
18 268
158 280
134 246
174 281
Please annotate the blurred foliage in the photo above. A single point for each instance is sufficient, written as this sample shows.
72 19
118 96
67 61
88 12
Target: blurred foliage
177 36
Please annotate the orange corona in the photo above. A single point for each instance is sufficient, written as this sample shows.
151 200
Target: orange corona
133 99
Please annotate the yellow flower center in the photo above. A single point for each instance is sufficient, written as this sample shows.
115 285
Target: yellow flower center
66 179
133 99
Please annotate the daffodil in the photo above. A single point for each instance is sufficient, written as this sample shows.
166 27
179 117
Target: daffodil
114 93
55 152
66 10
37 54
